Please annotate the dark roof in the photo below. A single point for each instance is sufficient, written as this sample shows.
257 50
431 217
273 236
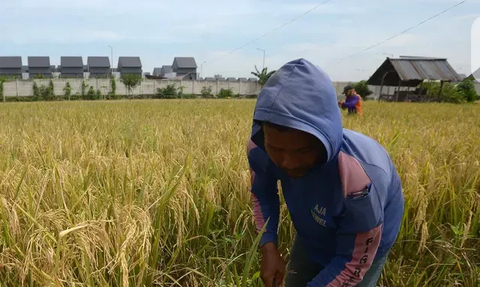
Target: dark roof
157 71
167 69
71 62
231 79
11 62
39 62
129 62
242 79
98 62
185 62
420 57
412 71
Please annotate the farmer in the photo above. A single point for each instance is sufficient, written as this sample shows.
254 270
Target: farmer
353 101
341 188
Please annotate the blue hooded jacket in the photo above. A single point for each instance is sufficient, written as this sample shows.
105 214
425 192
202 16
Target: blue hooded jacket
348 210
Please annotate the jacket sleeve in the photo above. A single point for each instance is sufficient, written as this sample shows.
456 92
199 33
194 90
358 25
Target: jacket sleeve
351 104
359 228
266 202
354 256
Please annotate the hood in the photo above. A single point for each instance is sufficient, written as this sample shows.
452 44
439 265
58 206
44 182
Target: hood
301 96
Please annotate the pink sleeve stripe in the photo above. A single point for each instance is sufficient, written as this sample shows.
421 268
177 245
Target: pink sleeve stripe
257 211
353 176
257 214
366 246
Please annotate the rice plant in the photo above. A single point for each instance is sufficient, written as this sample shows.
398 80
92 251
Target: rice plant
156 193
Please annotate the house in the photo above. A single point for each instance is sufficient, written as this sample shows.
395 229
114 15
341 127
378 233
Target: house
130 65
39 67
99 66
71 67
185 66
166 70
11 67
157 72
408 73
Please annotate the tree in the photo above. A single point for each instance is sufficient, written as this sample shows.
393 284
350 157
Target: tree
362 89
131 81
467 90
263 76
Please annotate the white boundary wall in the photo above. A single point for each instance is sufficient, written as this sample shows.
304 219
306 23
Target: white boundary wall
147 87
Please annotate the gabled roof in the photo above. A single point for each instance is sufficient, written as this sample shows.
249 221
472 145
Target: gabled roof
413 70
71 62
129 62
98 62
11 62
185 62
39 62
167 69
157 71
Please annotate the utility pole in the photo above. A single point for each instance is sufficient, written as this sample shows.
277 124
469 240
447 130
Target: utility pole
111 49
201 69
263 67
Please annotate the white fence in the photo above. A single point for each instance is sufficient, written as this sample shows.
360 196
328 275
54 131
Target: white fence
147 87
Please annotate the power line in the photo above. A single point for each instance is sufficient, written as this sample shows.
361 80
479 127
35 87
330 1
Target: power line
268 33
404 31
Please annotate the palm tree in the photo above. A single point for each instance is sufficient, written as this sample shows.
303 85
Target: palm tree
263 76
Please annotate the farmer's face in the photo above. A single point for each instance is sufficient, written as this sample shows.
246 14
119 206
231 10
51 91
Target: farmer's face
295 152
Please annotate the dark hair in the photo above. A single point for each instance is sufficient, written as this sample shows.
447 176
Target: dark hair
277 127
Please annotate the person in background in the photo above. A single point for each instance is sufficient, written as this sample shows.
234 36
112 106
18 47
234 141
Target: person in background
353 101
342 190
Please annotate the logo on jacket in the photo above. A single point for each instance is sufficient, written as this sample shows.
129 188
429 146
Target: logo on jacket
317 214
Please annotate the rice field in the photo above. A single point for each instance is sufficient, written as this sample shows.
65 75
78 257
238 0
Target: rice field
156 193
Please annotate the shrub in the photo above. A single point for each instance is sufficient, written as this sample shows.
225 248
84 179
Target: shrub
2 81
91 94
206 92
36 94
113 84
43 92
362 89
225 94
99 95
68 90
467 90
169 92
84 89
449 92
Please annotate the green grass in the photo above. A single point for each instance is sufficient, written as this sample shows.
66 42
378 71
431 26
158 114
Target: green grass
143 193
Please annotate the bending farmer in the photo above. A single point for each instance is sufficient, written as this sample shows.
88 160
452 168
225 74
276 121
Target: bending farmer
353 101
342 190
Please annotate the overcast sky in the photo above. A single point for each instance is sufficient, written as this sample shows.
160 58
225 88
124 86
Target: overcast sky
158 30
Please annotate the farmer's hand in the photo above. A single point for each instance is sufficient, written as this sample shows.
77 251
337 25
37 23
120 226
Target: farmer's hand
273 266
